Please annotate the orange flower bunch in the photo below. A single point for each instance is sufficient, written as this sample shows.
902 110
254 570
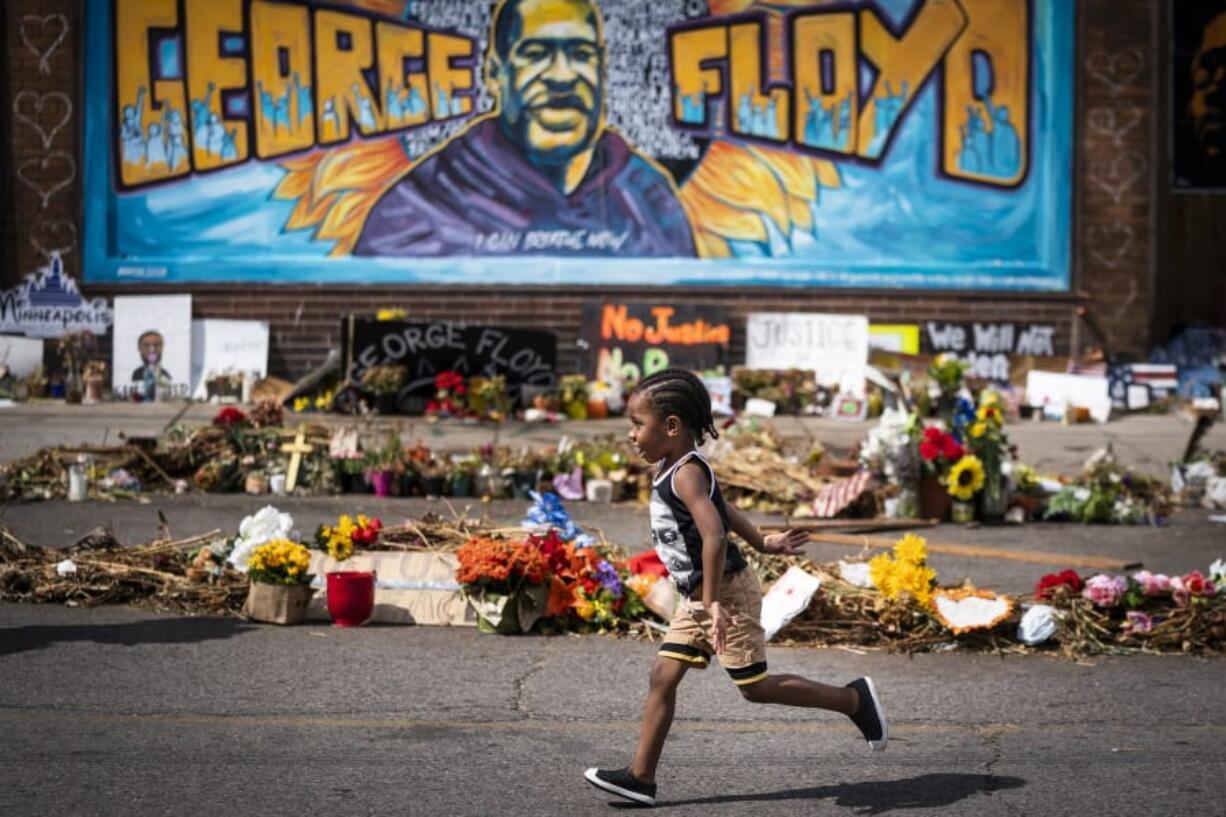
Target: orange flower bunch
489 561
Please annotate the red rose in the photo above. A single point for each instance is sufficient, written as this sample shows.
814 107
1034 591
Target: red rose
950 448
229 417
929 450
932 434
590 586
1194 583
1047 585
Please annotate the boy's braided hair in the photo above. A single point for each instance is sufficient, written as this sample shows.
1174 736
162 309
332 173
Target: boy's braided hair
676 391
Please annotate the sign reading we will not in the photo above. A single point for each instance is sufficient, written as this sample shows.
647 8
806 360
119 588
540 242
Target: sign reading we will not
988 347
833 347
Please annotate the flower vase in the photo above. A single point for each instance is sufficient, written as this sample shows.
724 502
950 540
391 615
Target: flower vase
992 500
432 486
934 500
523 483
383 482
962 512
351 597
385 403
460 485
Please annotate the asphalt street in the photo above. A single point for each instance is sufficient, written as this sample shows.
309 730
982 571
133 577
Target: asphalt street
120 711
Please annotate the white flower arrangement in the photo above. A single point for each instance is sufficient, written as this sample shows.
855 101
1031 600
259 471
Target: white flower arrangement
262 526
889 447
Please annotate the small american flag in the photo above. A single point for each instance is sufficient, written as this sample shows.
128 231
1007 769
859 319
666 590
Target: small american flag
838 495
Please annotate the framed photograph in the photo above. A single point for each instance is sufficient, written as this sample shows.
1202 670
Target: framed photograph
152 353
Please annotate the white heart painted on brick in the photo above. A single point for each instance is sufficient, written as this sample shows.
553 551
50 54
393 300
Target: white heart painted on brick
54 237
1119 174
48 182
1116 71
28 23
1113 123
29 108
1109 243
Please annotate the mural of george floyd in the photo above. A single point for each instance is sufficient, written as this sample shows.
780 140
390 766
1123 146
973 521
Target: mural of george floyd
505 163
660 141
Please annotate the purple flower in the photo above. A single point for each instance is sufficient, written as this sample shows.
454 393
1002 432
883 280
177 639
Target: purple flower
1138 622
606 574
1104 590
1152 584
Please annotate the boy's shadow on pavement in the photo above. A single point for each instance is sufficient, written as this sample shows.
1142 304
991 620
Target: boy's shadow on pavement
149 631
879 797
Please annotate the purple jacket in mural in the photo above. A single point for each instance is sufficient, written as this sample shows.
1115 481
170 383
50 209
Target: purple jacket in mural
479 195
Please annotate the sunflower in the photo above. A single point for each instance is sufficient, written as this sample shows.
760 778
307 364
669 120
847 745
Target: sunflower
966 477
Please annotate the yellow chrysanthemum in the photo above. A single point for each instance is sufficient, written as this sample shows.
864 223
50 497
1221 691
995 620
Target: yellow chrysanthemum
966 477
302 403
978 429
911 548
881 571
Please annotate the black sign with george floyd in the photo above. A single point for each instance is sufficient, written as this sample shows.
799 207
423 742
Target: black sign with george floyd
425 348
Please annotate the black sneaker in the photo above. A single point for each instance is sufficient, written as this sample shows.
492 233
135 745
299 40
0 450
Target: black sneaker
623 784
870 717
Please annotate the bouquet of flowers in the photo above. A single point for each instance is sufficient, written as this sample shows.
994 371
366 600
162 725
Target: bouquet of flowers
449 396
339 540
905 573
280 561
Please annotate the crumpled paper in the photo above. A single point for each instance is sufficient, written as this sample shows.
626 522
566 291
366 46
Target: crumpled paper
1038 624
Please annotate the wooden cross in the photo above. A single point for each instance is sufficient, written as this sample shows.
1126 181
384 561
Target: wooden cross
295 449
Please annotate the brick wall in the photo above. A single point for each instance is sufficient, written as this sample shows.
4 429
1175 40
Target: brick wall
1113 185
42 92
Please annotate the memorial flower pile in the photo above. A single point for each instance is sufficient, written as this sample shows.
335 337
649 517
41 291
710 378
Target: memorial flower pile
583 587
348 533
1146 610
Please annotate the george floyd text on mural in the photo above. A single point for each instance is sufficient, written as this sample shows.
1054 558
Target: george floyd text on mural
705 141
629 341
426 348
988 348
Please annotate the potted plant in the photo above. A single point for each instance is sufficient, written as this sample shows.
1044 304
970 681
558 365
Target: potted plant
460 479
351 471
280 582
384 466
383 383
351 593
573 396
431 476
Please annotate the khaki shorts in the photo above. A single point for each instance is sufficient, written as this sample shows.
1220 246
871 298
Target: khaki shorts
744 656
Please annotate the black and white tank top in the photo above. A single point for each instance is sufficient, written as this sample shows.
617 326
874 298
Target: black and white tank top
674 533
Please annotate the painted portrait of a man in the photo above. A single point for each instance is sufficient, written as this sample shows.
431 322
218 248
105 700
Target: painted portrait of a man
1199 78
542 173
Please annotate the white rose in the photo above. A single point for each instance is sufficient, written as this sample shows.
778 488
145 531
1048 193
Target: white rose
1038 624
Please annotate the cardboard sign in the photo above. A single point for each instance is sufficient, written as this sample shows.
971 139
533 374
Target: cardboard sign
152 353
989 347
227 347
47 305
834 347
629 341
1053 392
523 356
720 389
21 355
